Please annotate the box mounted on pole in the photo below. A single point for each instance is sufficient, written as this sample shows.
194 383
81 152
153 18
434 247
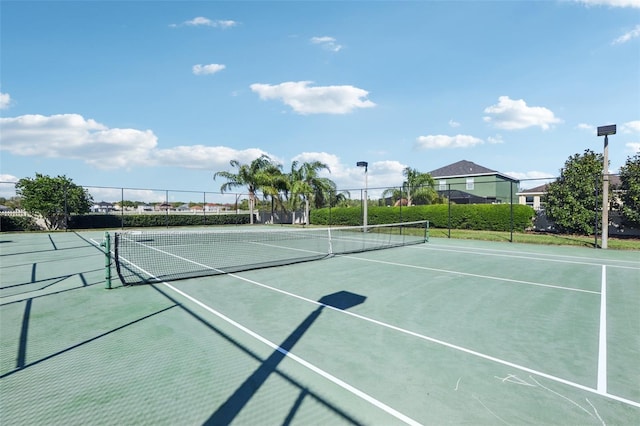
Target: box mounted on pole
607 130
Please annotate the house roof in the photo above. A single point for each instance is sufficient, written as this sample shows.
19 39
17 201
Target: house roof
466 168
535 190
614 183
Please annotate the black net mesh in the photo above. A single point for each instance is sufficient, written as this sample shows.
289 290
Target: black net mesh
152 256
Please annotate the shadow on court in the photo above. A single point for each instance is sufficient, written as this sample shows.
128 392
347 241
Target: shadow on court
21 363
226 413
231 408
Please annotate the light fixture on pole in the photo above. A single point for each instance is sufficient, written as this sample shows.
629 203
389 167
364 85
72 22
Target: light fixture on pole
605 131
366 184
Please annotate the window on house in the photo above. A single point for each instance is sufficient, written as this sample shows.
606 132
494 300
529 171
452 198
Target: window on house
442 185
529 201
470 183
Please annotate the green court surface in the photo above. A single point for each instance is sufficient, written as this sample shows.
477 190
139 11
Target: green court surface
446 332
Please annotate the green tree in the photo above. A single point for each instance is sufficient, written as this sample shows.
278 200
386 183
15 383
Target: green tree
258 175
418 187
340 199
570 201
306 184
630 187
53 198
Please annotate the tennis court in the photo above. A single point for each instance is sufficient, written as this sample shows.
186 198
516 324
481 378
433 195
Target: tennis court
445 332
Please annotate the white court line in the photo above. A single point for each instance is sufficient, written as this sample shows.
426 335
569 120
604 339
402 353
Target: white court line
532 255
602 344
410 333
384 407
467 274
446 344
595 262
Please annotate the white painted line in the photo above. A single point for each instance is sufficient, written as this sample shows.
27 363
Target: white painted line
408 332
398 415
532 256
602 346
535 257
467 274
446 344
408 420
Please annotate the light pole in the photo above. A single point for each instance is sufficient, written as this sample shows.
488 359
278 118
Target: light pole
364 213
605 131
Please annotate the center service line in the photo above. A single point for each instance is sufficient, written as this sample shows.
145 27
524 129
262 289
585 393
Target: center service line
398 415
602 346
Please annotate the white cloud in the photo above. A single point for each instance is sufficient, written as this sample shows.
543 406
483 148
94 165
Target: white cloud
380 174
495 139
5 100
611 3
332 161
445 141
315 100
8 185
629 35
201 21
630 127
205 157
72 136
534 174
532 178
633 147
510 114
8 178
453 123
207 69
327 43
586 127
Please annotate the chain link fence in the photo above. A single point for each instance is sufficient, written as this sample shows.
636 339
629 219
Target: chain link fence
206 207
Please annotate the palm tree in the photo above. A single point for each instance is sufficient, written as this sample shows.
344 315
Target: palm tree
340 199
257 175
421 184
417 186
305 182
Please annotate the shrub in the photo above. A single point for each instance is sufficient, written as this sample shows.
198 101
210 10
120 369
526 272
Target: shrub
97 221
490 217
18 223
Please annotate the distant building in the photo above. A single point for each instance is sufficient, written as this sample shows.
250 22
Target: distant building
534 197
102 207
144 208
465 182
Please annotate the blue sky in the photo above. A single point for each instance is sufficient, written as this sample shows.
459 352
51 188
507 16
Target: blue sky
161 94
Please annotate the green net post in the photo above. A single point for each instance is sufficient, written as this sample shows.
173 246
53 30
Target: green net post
106 243
426 231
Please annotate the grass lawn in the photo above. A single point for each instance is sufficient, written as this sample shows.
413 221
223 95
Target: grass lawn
535 238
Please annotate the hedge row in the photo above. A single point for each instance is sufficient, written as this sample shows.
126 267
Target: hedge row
102 221
17 223
153 220
488 217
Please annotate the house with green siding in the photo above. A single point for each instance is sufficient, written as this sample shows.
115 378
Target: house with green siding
466 182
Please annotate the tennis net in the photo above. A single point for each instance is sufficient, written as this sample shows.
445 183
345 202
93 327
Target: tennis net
152 256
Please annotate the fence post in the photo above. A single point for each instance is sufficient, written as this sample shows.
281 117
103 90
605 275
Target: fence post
595 211
511 200
449 205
